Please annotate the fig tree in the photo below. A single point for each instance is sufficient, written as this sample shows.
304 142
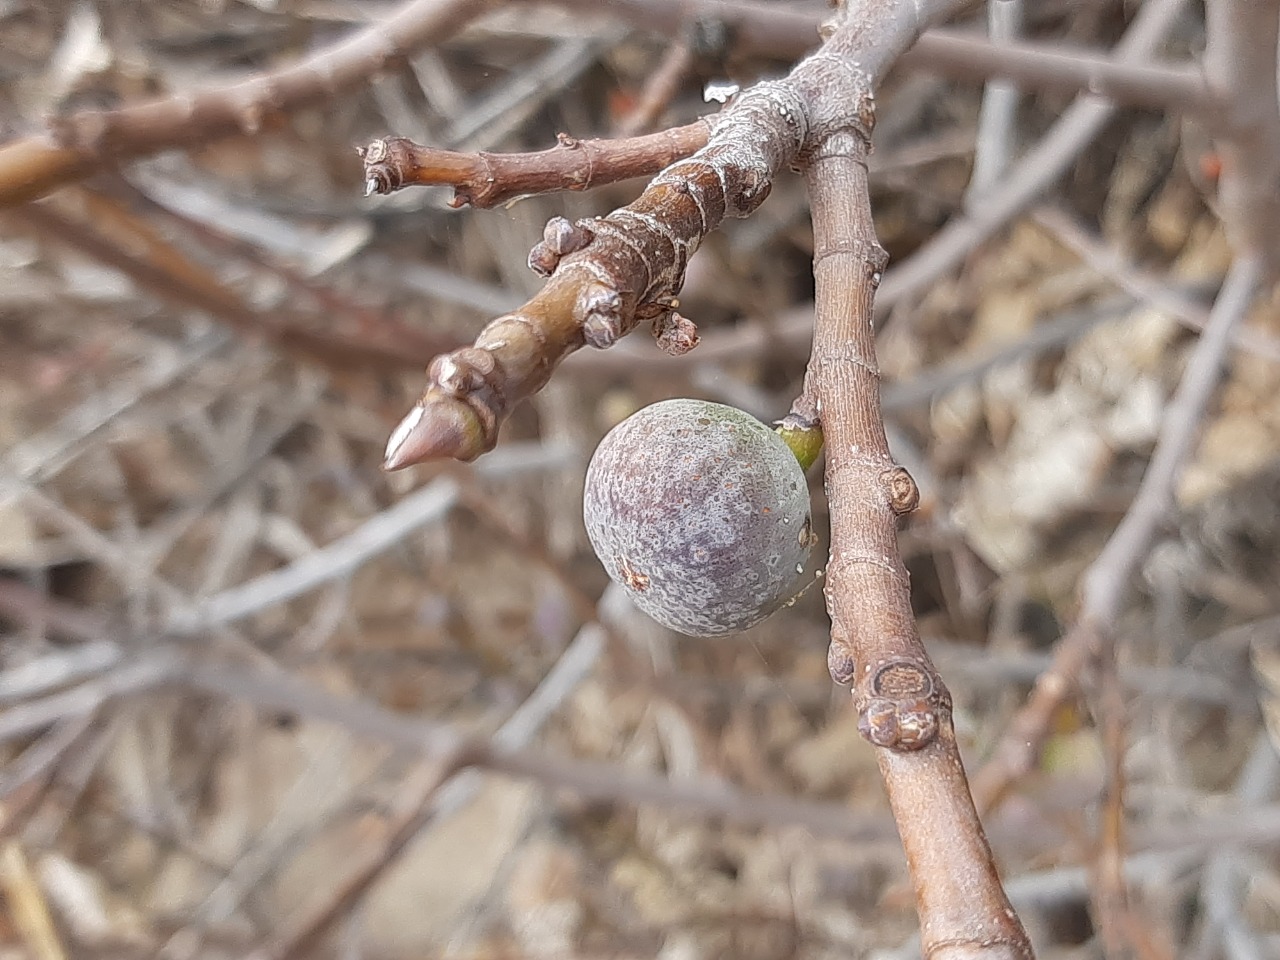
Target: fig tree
702 513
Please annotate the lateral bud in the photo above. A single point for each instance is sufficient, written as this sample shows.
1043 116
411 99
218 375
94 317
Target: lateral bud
559 239
904 494
599 310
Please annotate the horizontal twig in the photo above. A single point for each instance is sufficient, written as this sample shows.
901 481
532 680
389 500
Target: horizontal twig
488 179
1053 68
168 667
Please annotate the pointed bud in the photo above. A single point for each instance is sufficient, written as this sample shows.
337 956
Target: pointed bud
437 428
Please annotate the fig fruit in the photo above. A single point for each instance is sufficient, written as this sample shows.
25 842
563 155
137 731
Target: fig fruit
702 513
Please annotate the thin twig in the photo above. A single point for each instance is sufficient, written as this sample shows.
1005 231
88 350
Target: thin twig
1114 912
1041 67
432 798
85 142
776 30
489 179
1240 63
994 147
1143 285
169 666
1221 888
661 87
166 272
411 812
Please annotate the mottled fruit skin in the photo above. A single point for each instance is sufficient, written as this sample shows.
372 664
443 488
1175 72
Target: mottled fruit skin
702 513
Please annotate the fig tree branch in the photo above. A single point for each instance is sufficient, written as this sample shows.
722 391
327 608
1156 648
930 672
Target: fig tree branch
489 179
607 274
903 705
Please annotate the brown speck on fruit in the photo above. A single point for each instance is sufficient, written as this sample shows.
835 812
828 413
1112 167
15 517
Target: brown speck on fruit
631 577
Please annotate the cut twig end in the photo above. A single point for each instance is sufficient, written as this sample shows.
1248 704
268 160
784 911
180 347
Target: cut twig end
386 161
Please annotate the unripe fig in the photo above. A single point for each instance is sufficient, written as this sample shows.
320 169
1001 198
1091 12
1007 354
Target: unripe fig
702 513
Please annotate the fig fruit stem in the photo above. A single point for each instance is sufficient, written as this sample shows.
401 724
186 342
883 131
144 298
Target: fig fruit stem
805 441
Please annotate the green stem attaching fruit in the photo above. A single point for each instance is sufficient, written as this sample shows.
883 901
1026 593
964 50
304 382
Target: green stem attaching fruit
805 441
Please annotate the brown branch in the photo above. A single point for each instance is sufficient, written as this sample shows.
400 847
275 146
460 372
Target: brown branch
772 29
489 179
904 707
1112 909
1054 68
608 274
90 140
